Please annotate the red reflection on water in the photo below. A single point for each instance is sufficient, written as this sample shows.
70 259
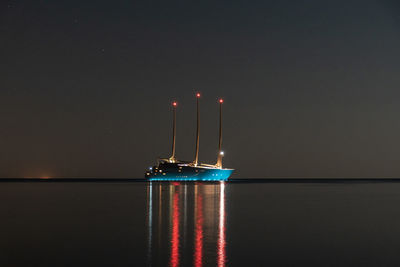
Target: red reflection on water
198 246
221 227
175 231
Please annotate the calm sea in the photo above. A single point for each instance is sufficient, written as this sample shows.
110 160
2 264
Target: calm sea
200 224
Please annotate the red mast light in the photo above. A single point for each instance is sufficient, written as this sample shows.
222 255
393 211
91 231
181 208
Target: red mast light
198 95
221 101
174 104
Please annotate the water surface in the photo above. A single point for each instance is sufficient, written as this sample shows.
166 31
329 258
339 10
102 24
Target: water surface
200 224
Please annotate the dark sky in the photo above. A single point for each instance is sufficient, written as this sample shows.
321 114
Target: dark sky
311 88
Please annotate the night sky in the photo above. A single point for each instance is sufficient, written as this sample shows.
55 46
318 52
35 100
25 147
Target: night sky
311 88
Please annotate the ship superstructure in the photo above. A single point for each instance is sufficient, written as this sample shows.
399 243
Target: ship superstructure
172 169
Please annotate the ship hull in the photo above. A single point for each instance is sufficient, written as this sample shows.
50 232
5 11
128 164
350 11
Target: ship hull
182 172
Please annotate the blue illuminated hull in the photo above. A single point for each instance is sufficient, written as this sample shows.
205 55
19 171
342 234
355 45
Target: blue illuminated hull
182 172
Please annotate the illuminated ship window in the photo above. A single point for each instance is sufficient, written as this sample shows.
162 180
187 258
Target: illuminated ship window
163 173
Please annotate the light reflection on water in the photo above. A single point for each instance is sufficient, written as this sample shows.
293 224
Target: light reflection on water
186 224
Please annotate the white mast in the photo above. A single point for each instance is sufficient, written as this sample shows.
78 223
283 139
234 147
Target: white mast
196 157
172 158
220 152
